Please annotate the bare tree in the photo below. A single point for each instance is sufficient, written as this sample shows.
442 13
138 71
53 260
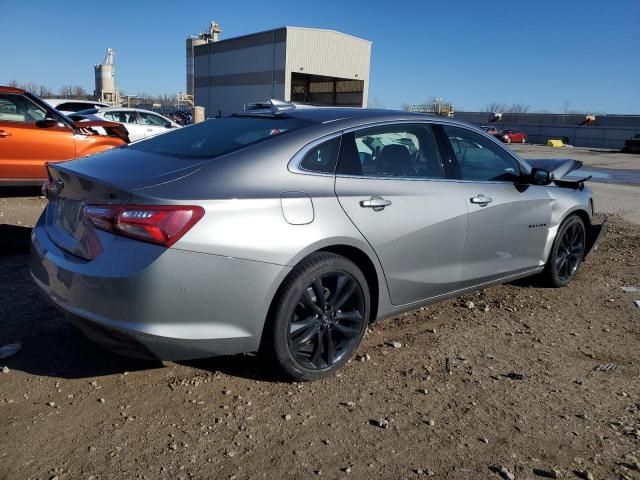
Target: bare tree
31 88
14 84
79 93
44 92
66 91
519 108
495 107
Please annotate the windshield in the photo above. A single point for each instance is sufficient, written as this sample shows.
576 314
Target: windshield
220 136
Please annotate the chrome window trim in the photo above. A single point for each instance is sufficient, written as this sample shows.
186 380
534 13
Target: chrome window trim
294 164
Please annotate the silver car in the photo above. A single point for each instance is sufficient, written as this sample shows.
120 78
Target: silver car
287 230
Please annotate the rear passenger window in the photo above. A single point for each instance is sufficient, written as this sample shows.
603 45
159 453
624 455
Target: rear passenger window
404 151
322 158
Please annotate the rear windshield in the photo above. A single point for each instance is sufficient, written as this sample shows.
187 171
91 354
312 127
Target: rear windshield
219 136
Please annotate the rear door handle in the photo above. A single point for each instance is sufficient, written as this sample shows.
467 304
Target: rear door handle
377 203
481 200
4 134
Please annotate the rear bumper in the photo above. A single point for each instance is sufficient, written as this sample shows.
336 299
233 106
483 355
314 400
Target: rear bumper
132 343
595 235
146 301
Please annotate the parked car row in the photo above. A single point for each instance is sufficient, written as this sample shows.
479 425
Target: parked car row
506 136
139 123
32 133
35 131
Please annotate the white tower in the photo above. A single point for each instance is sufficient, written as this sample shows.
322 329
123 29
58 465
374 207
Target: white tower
106 90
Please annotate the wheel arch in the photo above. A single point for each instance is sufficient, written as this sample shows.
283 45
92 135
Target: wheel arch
359 257
366 266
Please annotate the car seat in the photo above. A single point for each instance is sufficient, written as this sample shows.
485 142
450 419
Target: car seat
394 160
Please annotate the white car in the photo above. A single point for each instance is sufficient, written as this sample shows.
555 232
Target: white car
139 123
66 105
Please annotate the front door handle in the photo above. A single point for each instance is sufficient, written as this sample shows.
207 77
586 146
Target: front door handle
481 200
4 134
377 203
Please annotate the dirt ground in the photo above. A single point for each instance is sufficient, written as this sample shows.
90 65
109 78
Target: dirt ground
530 380
511 382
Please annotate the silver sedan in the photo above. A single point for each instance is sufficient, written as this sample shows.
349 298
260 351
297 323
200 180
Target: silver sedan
287 230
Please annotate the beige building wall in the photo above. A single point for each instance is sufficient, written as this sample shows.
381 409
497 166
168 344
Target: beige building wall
329 53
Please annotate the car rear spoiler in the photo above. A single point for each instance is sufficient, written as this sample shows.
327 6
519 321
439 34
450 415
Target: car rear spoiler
113 129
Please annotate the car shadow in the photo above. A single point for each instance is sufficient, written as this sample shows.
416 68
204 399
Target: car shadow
14 239
535 281
53 347
249 366
21 191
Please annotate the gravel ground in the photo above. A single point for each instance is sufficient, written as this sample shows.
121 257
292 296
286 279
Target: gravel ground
527 381
513 381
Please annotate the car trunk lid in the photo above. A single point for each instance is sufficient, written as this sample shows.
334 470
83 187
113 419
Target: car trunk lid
103 179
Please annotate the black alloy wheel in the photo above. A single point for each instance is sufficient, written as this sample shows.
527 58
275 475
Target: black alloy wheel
327 321
570 251
567 252
318 317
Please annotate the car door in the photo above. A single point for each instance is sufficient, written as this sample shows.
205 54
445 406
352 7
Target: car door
153 124
391 184
509 220
27 142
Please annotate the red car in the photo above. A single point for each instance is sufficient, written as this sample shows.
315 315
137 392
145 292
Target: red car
512 136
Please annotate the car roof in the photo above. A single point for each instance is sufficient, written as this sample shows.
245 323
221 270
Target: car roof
11 89
57 101
348 117
126 109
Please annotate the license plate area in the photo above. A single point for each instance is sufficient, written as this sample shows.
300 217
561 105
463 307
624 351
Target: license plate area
68 216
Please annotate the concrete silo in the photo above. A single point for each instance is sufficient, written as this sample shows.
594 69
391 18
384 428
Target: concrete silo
106 90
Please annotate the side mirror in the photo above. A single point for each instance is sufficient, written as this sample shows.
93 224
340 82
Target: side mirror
539 176
47 122
168 125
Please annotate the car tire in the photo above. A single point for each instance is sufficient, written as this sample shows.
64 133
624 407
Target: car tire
318 317
508 140
567 253
524 140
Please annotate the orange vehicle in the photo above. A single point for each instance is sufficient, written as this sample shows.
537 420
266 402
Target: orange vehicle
32 133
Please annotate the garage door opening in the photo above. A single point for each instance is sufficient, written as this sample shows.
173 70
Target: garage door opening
320 90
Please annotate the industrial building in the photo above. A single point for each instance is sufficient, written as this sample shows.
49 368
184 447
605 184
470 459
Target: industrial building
308 65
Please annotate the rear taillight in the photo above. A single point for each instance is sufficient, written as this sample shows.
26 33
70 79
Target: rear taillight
161 224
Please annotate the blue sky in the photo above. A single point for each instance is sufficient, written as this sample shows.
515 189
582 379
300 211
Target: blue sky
541 53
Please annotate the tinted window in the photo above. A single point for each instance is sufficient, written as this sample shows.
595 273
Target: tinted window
120 116
151 119
391 151
73 106
479 158
322 158
216 137
18 108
